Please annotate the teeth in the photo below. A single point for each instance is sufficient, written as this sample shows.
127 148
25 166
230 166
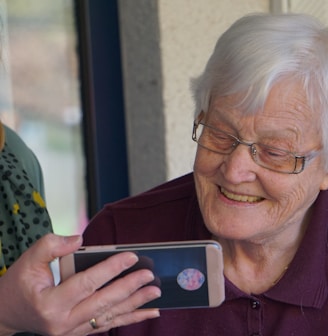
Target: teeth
240 198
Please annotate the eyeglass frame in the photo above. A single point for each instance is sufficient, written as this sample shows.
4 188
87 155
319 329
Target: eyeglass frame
306 158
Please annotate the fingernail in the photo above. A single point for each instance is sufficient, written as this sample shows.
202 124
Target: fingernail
149 276
73 239
158 293
130 260
155 311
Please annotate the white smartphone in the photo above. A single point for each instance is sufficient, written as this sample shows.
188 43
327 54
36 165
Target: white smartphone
189 273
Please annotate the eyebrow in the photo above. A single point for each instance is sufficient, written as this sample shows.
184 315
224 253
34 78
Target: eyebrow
218 116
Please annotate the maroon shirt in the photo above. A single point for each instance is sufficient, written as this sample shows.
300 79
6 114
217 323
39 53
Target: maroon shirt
296 305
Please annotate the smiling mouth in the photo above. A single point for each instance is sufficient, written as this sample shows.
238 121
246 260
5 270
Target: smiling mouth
240 198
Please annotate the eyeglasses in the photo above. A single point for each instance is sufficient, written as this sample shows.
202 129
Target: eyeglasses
272 158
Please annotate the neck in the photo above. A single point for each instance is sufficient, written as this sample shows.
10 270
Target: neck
256 266
255 269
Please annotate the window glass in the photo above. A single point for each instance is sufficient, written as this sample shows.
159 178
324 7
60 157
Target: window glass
39 98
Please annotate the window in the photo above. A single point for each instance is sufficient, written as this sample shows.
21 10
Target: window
39 88
318 8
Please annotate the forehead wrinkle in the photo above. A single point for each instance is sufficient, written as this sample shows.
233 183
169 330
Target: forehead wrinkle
251 128
286 115
295 111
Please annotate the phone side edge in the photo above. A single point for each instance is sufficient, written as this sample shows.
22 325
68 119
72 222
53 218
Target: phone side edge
215 277
66 266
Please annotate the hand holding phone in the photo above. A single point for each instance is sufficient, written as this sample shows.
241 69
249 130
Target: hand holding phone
189 273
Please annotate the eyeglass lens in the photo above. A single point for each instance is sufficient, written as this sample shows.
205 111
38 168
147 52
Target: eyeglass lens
266 156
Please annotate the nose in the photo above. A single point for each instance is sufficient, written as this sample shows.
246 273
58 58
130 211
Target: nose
239 166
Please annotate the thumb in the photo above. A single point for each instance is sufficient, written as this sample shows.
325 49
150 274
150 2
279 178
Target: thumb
52 246
34 262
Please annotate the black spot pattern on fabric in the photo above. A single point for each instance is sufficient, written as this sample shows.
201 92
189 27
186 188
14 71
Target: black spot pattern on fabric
22 219
6 175
39 211
46 224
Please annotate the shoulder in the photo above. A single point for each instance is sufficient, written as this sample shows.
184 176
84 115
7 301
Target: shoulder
158 214
181 188
18 146
26 157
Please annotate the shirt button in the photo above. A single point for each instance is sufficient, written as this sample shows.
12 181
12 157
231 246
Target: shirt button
255 305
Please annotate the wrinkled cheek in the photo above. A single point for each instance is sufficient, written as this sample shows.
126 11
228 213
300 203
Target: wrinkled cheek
284 210
205 163
197 162
207 196
202 185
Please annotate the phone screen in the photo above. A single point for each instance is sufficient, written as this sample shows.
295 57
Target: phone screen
180 272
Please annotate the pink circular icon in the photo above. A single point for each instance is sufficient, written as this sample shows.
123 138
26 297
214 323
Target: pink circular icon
190 279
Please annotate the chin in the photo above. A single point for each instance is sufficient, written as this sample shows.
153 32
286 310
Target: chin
228 228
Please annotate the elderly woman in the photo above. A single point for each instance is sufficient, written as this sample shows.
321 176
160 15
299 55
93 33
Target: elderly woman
258 185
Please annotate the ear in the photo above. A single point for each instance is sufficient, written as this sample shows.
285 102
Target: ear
324 183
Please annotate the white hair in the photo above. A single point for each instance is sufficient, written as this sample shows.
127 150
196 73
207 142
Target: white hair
258 51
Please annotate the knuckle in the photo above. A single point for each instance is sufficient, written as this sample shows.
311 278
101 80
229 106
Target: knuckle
47 239
87 283
103 306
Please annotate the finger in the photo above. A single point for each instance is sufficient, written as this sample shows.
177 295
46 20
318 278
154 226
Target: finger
106 323
130 318
77 313
124 288
121 290
120 313
125 294
35 261
52 246
83 284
